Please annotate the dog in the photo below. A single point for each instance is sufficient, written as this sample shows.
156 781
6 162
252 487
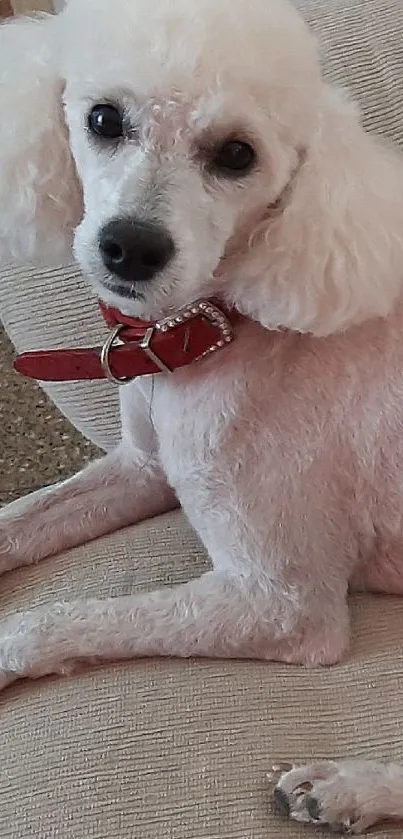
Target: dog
193 159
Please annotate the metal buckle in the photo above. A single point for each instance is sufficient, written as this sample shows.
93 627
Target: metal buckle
199 307
145 345
209 311
108 345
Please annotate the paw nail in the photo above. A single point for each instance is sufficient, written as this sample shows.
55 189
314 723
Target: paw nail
282 767
313 807
281 801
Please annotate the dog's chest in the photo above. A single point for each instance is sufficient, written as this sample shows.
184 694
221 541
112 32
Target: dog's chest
193 420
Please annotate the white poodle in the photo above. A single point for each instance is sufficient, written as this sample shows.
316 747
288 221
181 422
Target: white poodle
188 150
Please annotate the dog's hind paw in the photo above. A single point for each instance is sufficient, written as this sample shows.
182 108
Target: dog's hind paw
347 797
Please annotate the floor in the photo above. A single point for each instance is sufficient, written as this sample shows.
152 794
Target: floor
37 445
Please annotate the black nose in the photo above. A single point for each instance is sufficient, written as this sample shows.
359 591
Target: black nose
135 250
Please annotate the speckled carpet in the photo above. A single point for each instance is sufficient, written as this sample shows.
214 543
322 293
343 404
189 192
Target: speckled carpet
37 445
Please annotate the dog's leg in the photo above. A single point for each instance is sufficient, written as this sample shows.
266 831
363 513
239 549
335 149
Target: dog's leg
347 796
120 489
217 615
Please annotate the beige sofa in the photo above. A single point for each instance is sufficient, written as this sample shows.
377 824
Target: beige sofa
170 748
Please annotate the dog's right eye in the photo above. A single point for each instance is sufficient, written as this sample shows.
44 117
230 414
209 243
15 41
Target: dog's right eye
106 121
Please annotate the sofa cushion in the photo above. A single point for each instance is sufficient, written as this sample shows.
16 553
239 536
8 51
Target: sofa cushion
180 749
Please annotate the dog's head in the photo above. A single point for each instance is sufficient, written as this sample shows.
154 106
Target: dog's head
190 148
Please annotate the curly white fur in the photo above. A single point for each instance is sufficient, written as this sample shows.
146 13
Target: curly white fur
40 194
182 71
285 450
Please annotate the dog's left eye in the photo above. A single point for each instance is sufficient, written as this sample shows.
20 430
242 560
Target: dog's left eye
106 121
234 157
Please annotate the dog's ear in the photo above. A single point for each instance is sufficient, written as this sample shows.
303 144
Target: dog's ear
331 255
40 198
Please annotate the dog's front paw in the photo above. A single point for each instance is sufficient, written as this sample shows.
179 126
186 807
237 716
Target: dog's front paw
7 547
39 643
346 797
25 648
13 648
21 536
12 542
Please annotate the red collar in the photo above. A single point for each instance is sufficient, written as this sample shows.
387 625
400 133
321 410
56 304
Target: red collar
136 347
